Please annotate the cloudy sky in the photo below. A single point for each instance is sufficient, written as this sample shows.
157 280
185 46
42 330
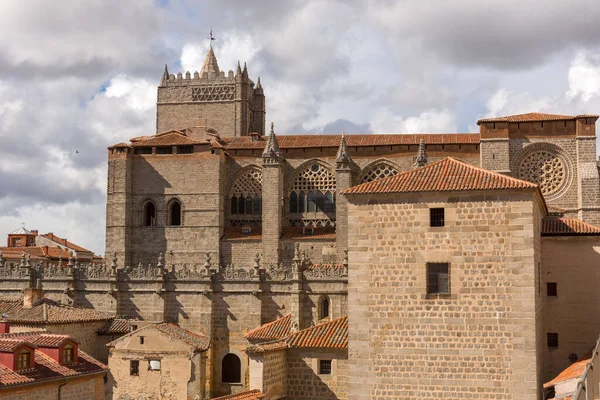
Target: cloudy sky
77 76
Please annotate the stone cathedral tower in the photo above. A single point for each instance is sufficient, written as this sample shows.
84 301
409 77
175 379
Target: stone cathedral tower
229 103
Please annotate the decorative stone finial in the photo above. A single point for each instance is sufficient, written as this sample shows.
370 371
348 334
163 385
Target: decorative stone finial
343 158
1 260
210 64
165 76
245 71
421 159
258 85
22 264
113 265
271 153
207 261
257 261
238 71
161 259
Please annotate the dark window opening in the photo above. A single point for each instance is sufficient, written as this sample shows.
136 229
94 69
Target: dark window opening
293 202
164 150
320 201
241 205
141 340
134 367
552 339
438 278
436 217
311 202
68 354
149 214
324 308
257 204
142 150
249 205
325 367
185 149
552 288
24 360
234 205
175 214
301 202
231 369
328 202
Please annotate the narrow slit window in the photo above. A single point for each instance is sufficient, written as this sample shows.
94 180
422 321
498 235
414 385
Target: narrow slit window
552 339
436 217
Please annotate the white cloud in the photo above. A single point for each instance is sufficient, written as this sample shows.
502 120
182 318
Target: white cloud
384 121
584 76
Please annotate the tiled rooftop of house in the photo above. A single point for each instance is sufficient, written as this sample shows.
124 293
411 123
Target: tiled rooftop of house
278 329
49 312
45 368
197 340
568 227
65 242
246 395
170 138
535 117
448 174
116 326
36 252
330 335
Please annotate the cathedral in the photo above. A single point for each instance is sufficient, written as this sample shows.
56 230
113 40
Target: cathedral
460 265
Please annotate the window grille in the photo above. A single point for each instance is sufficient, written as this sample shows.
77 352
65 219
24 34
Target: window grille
436 217
438 278
325 367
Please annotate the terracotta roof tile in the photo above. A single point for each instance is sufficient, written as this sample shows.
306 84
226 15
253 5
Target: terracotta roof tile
119 146
247 395
535 117
36 252
295 233
197 340
116 325
235 233
448 174
47 369
266 347
352 140
55 313
65 242
330 335
574 371
568 227
172 138
278 329
8 345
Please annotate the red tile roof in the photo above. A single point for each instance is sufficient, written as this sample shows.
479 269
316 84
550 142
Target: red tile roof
116 325
352 140
568 227
278 329
295 233
65 242
330 335
535 117
8 345
46 369
48 311
448 174
199 341
247 395
171 138
267 347
235 233
36 252
119 146
574 371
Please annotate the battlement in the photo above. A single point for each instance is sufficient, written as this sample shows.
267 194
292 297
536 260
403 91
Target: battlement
204 78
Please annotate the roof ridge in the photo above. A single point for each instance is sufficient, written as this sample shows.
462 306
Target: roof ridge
268 325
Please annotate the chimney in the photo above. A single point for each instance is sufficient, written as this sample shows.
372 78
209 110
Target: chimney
34 232
32 295
4 326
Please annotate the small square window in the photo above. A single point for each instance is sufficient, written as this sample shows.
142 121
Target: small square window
438 278
154 365
134 367
325 367
552 339
436 217
552 289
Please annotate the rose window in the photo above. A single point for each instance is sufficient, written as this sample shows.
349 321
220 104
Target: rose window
544 168
379 171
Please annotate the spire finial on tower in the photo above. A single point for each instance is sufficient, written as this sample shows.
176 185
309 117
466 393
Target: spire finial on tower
271 153
210 38
421 159
165 76
258 85
210 64
343 158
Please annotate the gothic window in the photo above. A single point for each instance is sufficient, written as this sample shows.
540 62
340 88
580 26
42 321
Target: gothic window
380 170
246 198
324 307
313 191
149 216
231 369
174 217
546 168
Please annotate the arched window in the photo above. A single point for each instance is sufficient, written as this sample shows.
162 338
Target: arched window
149 214
380 170
324 308
174 213
246 198
231 369
313 191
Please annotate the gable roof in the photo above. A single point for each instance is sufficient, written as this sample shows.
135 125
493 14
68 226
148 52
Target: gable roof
21 231
535 117
352 140
568 227
171 138
64 242
330 335
278 329
198 341
48 311
448 174
9 345
574 371
116 325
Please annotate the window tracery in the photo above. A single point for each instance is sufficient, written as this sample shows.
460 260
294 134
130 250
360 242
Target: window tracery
246 199
378 171
545 168
313 197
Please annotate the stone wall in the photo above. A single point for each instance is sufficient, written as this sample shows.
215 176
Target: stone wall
483 336
304 380
572 263
84 388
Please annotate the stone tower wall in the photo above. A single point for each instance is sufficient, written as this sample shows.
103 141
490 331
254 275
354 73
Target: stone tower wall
484 335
